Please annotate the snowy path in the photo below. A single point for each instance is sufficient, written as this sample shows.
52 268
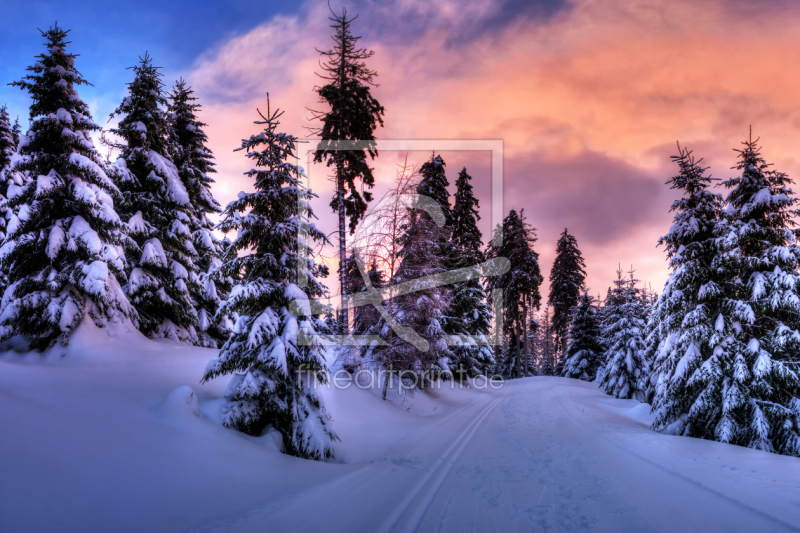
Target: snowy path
110 438
546 454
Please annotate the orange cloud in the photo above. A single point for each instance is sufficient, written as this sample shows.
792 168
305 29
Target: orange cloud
613 82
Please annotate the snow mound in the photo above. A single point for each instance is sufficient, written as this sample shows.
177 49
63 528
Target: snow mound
181 403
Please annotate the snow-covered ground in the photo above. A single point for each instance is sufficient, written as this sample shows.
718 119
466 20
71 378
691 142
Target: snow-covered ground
109 438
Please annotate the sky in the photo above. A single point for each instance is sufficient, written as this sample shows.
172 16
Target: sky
588 96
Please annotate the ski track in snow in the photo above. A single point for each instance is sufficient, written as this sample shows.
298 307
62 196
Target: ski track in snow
444 464
95 447
539 455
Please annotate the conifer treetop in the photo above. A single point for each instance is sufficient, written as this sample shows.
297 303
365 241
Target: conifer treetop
63 252
566 284
144 126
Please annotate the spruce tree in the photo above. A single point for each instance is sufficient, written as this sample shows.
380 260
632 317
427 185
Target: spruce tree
433 186
195 163
520 285
545 345
7 145
353 116
163 272
63 253
7 150
682 321
274 353
566 284
16 131
424 251
11 182
366 317
735 377
584 353
624 362
469 312
649 380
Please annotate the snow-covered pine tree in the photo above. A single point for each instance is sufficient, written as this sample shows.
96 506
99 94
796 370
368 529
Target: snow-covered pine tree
469 313
274 353
7 145
545 346
195 163
520 284
163 272
740 383
366 317
11 182
682 321
648 380
63 253
353 116
623 331
584 353
7 149
433 185
424 251
16 131
566 284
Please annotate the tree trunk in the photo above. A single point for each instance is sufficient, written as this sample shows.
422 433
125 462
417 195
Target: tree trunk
525 334
343 312
386 377
518 365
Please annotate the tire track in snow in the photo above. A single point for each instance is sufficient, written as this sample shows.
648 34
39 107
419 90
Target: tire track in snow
443 466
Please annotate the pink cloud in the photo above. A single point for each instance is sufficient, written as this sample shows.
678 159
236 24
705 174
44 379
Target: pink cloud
588 103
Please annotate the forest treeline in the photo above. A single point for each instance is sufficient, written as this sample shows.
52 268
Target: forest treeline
88 239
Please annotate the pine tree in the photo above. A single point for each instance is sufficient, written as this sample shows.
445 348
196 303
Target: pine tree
274 352
648 381
433 186
11 182
423 350
16 131
366 317
566 284
63 253
194 161
163 271
469 313
520 285
624 339
7 150
682 322
353 116
545 345
584 353
735 376
7 145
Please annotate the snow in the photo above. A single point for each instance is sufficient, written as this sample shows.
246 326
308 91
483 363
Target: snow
81 230
115 433
153 254
84 162
140 279
168 170
55 241
300 305
64 115
136 224
96 281
45 183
